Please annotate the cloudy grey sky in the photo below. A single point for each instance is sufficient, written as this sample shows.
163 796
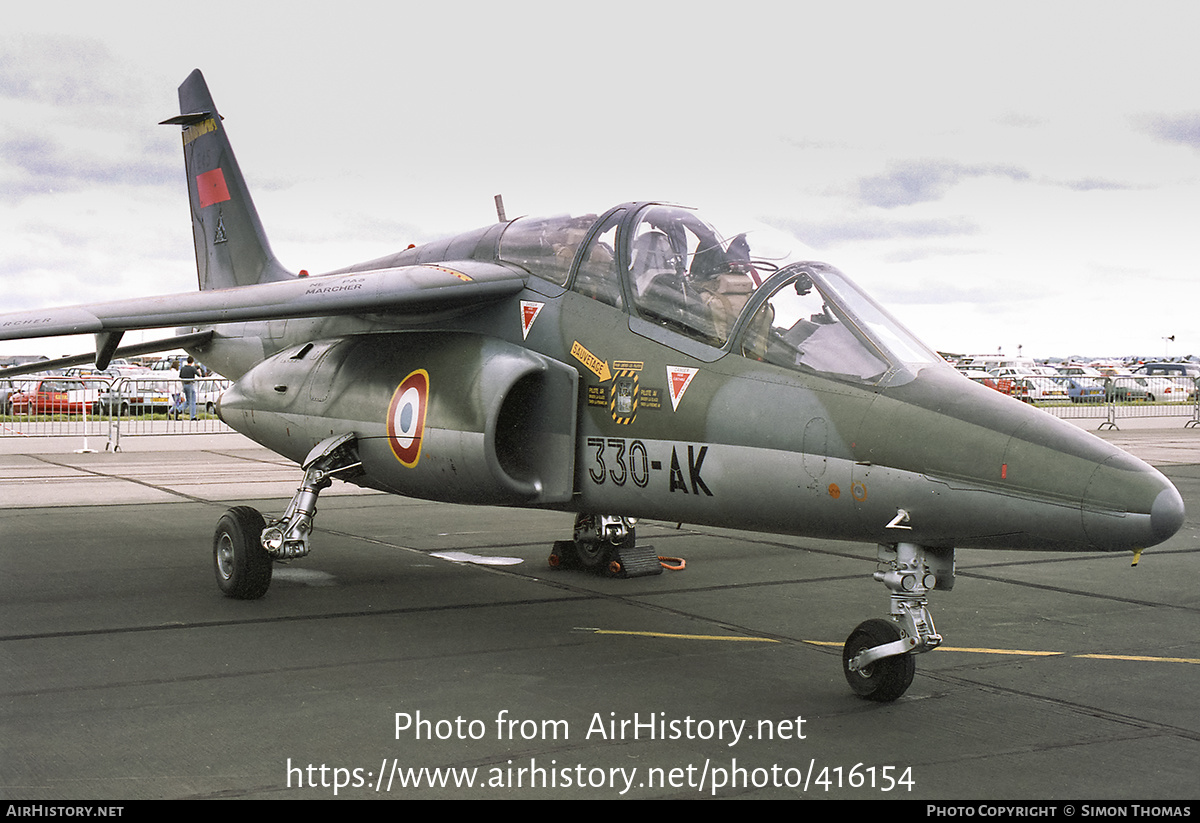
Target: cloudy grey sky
999 175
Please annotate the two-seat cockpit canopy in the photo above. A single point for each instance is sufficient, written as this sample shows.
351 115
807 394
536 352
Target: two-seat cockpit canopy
709 291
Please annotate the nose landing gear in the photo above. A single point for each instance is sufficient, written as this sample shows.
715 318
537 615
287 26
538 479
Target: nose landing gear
877 658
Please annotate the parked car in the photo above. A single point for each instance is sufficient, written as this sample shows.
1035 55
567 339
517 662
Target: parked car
139 397
1026 386
1170 382
979 376
1127 389
1187 370
57 396
7 389
1034 388
208 392
91 373
1083 389
1075 370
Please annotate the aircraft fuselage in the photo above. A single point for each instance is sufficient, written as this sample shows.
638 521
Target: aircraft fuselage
575 411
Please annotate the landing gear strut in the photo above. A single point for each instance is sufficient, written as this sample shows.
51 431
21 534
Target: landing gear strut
878 656
245 545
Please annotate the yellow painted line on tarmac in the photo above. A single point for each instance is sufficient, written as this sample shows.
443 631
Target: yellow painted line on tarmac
1140 659
1019 652
835 643
688 636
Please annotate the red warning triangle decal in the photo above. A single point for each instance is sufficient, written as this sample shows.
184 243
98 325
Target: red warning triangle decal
529 312
678 380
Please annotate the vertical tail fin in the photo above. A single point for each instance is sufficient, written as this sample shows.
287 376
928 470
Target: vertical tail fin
231 246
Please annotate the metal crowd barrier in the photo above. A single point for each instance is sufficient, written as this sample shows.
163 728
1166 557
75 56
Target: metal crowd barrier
105 407
1107 400
141 405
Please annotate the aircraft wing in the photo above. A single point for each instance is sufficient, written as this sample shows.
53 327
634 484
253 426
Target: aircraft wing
165 344
403 290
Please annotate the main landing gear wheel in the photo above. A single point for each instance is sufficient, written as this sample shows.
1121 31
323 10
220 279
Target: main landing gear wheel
885 679
242 565
606 545
244 547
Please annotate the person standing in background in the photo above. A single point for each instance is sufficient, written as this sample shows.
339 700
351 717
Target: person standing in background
187 375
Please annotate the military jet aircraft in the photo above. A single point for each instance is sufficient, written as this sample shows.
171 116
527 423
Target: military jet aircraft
641 362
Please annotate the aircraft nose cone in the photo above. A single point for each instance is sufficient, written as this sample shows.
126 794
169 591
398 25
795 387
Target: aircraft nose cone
1166 515
1130 505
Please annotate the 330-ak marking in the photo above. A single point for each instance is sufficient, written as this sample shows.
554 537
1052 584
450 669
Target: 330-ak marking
619 461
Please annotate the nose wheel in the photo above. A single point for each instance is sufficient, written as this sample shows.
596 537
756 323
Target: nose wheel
885 679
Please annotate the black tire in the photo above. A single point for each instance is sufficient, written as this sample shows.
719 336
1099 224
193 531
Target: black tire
242 566
592 555
886 679
598 556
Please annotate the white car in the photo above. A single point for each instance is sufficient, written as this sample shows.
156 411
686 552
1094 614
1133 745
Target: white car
1169 382
1037 388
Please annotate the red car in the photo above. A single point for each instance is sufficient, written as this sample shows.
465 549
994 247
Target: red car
57 396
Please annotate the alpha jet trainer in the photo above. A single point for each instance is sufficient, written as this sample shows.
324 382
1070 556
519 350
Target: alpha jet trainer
640 362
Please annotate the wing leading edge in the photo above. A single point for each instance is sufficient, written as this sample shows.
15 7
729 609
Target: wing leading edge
405 290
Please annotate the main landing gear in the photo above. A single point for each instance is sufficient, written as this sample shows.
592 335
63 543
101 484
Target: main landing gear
878 656
245 546
605 544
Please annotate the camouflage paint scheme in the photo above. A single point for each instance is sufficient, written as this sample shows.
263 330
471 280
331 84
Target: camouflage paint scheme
532 363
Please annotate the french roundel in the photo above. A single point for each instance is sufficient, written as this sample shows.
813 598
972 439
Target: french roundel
406 417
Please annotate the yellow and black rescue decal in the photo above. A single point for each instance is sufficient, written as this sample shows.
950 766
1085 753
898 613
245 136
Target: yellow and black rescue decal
623 396
406 417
